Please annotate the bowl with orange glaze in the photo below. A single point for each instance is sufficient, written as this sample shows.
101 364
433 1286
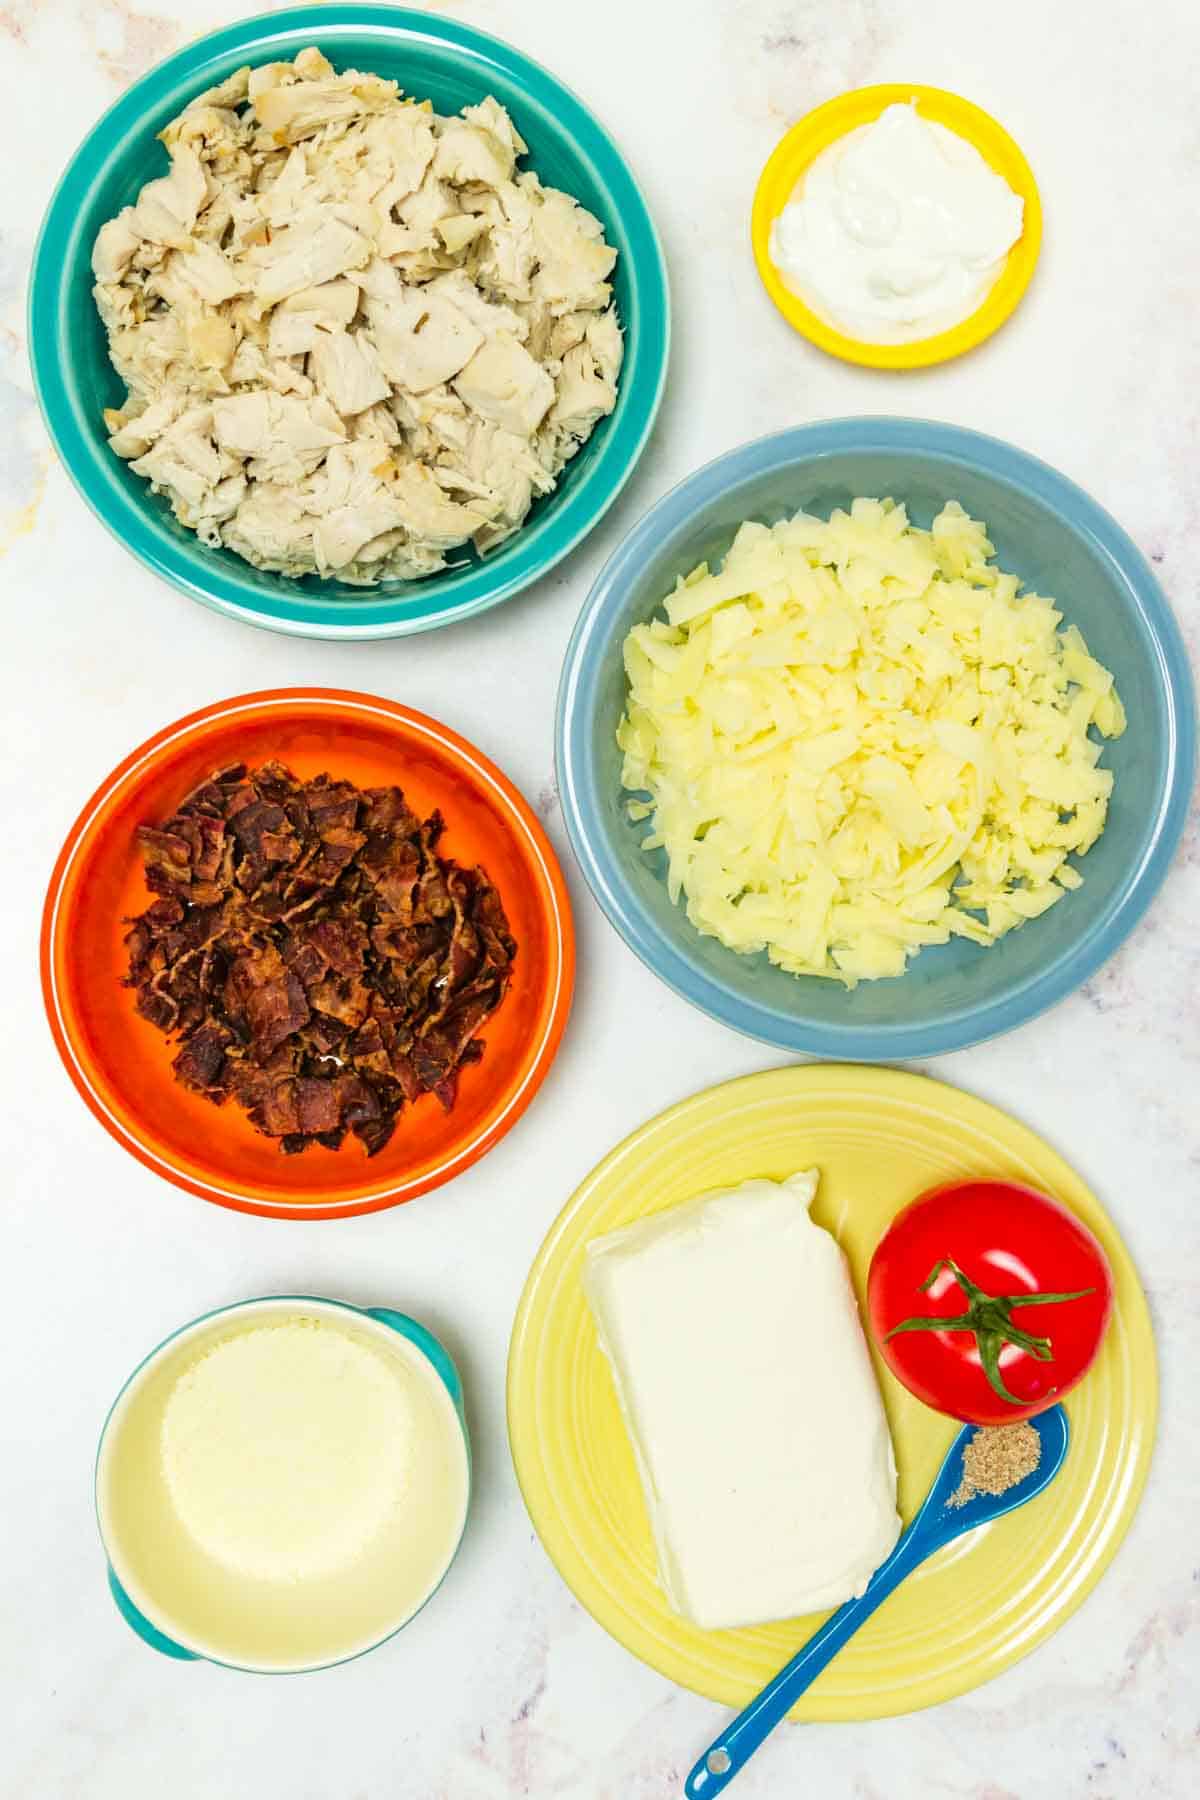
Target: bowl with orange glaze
121 1062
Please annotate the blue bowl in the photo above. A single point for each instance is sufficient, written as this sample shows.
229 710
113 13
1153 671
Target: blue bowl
431 58
1047 531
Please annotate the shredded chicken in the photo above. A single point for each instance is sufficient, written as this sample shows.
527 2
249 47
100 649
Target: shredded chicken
355 335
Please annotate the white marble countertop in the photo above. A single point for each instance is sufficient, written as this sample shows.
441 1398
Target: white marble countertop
505 1687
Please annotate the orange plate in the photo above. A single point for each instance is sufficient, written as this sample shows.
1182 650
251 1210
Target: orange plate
122 1065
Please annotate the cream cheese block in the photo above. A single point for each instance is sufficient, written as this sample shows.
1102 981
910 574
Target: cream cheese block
749 1395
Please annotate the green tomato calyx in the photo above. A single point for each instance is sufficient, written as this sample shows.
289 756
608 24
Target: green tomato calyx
989 1317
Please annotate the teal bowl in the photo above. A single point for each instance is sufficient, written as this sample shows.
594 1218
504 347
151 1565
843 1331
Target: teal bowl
136 1602
432 58
1059 541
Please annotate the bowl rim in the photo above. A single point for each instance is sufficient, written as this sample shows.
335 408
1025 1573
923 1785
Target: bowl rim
553 898
189 567
798 148
670 958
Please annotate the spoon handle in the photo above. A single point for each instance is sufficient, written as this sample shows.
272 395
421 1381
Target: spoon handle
734 1747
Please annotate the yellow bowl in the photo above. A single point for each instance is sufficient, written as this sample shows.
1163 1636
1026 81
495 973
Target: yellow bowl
814 133
879 1138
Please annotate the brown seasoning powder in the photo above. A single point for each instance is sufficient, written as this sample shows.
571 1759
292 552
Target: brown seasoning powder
996 1459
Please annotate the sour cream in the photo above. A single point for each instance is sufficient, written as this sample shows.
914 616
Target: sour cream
897 231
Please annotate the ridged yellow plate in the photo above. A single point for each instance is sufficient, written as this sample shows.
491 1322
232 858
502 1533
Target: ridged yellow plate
879 1136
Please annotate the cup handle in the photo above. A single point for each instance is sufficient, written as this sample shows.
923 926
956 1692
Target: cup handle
149 1634
429 1346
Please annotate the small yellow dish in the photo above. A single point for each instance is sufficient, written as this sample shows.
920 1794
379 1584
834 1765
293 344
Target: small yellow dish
879 1137
814 133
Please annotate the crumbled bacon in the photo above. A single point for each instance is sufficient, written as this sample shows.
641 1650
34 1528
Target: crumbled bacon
317 960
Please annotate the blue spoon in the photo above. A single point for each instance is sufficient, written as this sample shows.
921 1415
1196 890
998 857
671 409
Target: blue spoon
937 1524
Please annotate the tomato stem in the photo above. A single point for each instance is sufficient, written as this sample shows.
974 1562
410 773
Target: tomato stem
989 1317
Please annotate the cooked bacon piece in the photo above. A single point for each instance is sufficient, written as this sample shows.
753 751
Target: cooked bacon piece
318 961
269 997
201 1062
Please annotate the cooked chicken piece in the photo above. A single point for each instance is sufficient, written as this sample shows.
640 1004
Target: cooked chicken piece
334 303
185 460
428 204
376 549
468 153
269 75
349 505
491 117
376 423
279 202
288 114
379 281
405 143
211 339
508 261
339 535
458 232
313 250
248 227
166 209
431 422
253 367
422 340
497 467
133 434
353 338
291 334
356 503
270 530
426 513
296 320
573 259
114 248
584 396
146 356
403 245
228 93
503 383
562 334
208 272
221 504
347 371
210 125
120 308
215 224
485 315
606 343
216 136
281 432
310 65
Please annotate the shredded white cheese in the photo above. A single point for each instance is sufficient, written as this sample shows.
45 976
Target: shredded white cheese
857 739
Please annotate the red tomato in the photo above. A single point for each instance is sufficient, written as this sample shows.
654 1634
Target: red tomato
1028 1283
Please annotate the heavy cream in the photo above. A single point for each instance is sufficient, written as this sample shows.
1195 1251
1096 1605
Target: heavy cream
896 231
748 1391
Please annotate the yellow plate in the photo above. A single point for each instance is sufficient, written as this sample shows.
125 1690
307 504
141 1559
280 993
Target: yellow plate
879 1136
814 133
